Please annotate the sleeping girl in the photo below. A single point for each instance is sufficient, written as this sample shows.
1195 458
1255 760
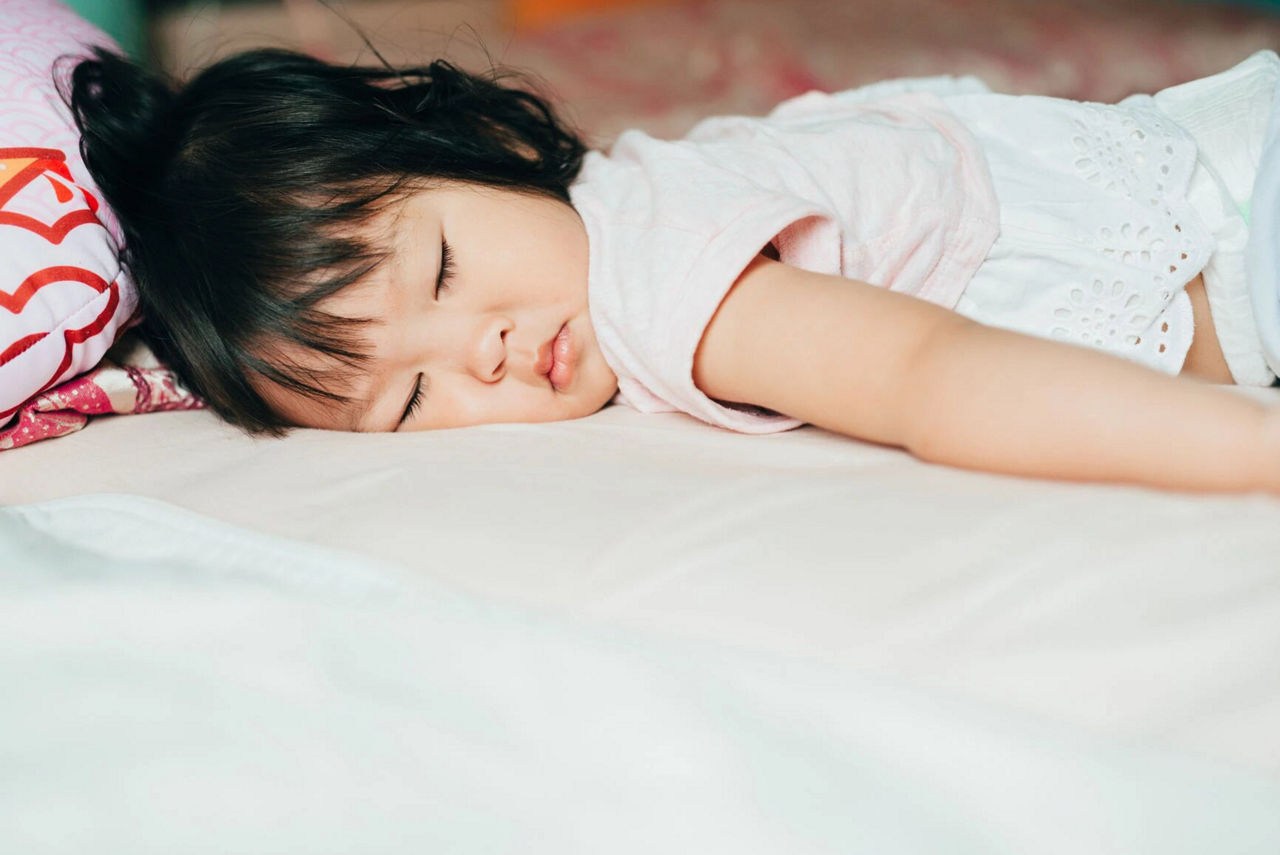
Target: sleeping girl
1024 285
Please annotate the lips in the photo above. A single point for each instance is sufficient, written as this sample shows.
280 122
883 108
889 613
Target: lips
556 357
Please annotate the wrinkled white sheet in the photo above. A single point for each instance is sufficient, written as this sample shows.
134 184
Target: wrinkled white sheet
174 684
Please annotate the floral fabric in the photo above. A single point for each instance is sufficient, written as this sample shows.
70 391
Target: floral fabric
129 380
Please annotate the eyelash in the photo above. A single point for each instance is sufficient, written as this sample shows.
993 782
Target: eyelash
414 403
446 268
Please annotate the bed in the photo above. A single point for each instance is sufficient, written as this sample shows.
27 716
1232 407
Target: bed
636 633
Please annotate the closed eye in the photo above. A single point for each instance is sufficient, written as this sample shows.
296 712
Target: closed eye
446 268
415 401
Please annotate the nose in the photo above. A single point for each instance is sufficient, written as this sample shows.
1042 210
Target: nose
487 352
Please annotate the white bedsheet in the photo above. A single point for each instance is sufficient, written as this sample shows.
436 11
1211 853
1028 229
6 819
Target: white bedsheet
1107 616
174 684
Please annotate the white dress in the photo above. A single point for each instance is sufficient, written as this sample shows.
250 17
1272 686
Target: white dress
1107 211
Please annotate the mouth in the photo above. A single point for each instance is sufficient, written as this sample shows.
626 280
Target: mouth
556 358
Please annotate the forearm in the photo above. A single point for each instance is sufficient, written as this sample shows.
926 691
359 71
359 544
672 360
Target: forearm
1001 402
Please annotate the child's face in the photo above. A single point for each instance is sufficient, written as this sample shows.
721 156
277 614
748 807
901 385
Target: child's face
488 346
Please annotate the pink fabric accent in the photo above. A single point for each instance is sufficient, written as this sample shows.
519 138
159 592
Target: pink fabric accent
129 380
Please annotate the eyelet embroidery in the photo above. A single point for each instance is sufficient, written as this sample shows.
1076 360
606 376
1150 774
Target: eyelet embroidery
1133 155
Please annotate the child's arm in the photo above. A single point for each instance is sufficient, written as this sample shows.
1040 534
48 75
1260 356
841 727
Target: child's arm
894 369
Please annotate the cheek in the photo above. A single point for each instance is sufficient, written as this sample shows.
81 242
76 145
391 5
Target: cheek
460 401
466 402
604 383
602 391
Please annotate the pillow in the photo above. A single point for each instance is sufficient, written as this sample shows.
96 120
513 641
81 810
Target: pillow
63 295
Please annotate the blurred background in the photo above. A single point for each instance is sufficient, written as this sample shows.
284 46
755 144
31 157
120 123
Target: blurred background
661 65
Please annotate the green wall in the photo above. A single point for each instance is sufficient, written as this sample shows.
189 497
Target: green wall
123 19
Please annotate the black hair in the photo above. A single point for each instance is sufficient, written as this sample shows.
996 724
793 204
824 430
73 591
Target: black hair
242 195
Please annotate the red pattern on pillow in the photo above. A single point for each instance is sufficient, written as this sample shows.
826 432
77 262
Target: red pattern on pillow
63 294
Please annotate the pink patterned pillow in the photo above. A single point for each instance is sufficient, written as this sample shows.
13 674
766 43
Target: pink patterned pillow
63 295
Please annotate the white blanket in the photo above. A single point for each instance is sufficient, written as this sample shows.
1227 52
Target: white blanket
178 685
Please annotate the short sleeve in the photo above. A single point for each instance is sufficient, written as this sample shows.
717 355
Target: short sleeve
669 233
